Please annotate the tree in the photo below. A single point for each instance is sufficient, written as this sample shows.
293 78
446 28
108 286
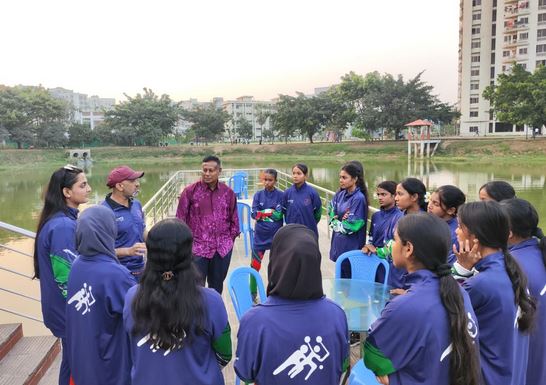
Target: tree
299 115
31 115
142 120
207 122
81 134
243 128
386 102
519 97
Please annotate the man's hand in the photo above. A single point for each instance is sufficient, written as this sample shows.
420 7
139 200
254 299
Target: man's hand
138 248
369 249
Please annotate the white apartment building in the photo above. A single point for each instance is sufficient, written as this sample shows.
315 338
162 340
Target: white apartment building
494 34
248 108
85 109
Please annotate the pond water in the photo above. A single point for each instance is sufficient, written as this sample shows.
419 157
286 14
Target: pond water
21 190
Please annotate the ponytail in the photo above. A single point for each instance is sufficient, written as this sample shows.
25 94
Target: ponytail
524 301
541 242
491 225
356 170
463 363
431 248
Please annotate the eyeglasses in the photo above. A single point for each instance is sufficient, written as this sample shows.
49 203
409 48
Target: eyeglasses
69 167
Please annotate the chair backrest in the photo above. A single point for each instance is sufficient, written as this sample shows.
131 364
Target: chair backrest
239 289
363 266
238 183
361 375
245 218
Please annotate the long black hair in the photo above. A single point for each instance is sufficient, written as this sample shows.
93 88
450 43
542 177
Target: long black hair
499 190
168 303
488 222
450 197
431 248
524 221
415 186
54 202
355 169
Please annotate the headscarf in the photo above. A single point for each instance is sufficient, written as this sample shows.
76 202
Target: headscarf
294 264
96 232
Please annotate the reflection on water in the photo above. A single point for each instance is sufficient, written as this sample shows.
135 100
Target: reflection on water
20 192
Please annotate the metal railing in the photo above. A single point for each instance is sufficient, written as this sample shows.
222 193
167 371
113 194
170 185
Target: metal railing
26 234
163 203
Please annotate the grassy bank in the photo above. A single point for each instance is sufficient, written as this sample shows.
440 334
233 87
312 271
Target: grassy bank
477 150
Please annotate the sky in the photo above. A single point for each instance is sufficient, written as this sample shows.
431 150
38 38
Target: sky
202 49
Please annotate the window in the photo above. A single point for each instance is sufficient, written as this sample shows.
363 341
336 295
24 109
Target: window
492 76
473 129
541 63
493 41
491 126
542 3
475 30
523 21
474 86
524 36
473 114
541 48
494 3
474 100
475 72
476 16
475 44
475 3
522 51
541 34
475 58
494 15
505 53
542 17
494 29
492 57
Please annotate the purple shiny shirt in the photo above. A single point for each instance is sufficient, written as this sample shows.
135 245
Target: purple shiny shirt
212 217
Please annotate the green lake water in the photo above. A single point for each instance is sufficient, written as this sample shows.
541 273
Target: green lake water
21 190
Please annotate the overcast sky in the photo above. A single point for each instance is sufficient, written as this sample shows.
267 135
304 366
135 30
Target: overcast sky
201 49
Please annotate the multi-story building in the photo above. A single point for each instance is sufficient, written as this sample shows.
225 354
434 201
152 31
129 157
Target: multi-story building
493 35
85 109
248 108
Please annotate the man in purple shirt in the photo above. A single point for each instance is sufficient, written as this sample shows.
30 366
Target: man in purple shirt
209 208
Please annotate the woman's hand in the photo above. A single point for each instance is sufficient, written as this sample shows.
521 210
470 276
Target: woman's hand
398 291
468 256
369 249
383 379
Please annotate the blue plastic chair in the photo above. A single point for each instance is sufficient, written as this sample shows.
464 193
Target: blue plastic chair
239 184
361 375
239 289
245 225
363 266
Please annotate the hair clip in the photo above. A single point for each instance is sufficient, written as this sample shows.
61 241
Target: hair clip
72 168
167 275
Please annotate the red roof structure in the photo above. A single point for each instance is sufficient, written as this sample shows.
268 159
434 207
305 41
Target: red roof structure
418 123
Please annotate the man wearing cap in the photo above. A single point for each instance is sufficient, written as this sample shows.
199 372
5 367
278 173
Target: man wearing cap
209 208
130 246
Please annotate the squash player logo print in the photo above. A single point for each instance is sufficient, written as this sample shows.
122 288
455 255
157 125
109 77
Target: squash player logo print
304 356
84 297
